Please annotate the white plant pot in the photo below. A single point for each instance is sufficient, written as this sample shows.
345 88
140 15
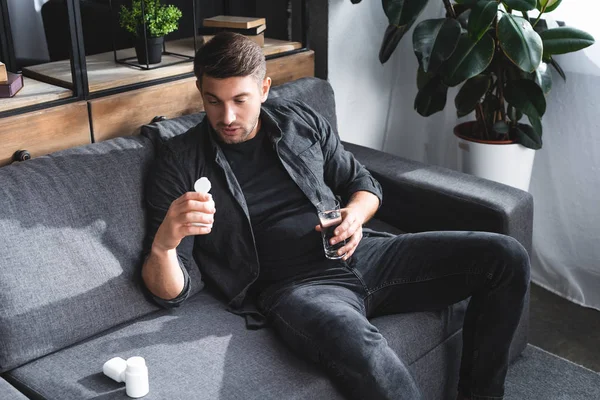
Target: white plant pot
510 163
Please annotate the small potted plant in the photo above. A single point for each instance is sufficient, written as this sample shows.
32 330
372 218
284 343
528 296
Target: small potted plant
160 20
502 56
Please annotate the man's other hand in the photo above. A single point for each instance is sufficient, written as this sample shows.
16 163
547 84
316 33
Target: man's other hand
350 229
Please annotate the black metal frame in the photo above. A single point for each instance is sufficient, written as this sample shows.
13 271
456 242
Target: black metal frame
126 61
6 42
80 86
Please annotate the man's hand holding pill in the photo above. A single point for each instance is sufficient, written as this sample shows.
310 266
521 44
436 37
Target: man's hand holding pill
191 214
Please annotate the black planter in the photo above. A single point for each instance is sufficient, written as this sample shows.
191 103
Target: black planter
155 48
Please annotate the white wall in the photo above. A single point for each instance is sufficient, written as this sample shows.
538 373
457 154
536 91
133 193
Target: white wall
375 109
362 85
566 176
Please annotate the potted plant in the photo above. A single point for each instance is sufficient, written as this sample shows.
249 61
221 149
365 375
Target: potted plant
149 26
502 56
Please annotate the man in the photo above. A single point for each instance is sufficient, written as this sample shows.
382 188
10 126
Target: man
270 164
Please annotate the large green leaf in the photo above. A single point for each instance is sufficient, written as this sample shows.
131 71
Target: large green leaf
467 2
521 44
536 124
434 40
543 77
401 14
391 38
521 5
431 98
565 40
525 95
549 4
470 94
423 78
514 114
527 136
469 59
558 68
463 18
482 16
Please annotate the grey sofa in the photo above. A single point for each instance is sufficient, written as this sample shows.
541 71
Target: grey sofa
71 230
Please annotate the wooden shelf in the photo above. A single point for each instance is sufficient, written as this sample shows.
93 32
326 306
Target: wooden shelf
34 92
104 73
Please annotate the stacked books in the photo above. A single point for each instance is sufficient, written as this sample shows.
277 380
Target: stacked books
10 83
253 28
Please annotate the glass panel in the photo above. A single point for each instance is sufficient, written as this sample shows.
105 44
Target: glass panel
33 56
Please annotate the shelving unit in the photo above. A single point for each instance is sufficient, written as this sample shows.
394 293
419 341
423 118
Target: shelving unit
103 73
86 99
34 92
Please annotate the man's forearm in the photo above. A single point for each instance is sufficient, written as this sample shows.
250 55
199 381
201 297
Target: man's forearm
162 274
365 203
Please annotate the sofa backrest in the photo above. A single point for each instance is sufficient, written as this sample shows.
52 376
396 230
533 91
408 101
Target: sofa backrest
315 92
72 226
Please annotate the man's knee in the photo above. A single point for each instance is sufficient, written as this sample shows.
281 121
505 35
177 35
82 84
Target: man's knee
516 261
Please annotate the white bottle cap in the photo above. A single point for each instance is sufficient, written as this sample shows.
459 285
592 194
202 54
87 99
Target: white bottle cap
115 368
202 185
136 365
136 378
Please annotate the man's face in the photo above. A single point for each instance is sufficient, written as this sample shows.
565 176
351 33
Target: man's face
232 105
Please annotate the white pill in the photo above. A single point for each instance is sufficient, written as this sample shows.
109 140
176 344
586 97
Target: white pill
202 185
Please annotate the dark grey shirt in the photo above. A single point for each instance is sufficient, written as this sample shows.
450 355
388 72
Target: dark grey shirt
311 154
283 220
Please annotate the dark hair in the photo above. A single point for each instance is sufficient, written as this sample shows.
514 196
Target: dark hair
230 54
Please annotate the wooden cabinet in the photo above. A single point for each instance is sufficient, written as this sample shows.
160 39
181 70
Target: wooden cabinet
45 131
124 113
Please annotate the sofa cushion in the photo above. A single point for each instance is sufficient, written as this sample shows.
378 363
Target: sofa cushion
200 351
315 92
8 392
163 130
72 226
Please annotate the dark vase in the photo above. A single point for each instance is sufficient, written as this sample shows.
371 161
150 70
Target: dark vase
155 47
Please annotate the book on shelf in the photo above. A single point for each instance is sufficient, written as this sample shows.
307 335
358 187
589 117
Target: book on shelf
12 86
228 21
258 39
248 32
3 73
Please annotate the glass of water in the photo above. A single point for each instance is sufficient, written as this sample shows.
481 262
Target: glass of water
330 217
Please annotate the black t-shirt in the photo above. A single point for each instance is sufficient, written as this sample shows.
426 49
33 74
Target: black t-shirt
283 219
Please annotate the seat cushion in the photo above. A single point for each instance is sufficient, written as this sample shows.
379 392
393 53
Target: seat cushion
72 226
201 351
8 392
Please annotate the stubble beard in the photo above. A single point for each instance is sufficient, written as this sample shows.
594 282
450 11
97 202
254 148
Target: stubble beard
244 135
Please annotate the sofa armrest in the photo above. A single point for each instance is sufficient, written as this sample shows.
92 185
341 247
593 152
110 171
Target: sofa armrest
419 197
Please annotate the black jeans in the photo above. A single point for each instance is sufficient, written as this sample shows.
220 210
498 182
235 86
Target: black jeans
324 316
